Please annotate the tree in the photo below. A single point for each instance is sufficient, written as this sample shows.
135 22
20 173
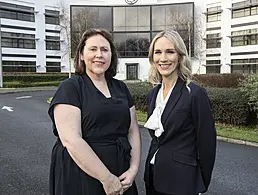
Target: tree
83 18
73 25
190 29
64 18
199 34
134 46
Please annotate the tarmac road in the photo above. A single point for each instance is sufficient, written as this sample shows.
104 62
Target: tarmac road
26 141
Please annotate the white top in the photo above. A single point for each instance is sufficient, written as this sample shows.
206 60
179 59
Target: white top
154 122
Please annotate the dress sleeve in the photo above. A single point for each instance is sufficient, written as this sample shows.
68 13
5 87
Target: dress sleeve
67 93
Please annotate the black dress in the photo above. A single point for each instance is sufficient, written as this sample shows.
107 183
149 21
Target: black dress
105 125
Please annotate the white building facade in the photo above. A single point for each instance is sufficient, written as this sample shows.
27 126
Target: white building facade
221 36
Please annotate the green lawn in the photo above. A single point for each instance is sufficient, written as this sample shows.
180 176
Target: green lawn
235 132
49 100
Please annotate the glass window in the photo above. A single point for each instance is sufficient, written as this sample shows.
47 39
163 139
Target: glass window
52 12
52 17
213 40
75 38
237 69
18 40
239 4
84 18
245 66
244 8
213 17
244 37
214 14
105 18
131 15
52 20
132 18
213 66
247 12
212 62
143 18
254 10
17 14
19 66
131 25
132 44
158 18
53 67
119 18
132 71
212 69
178 16
172 16
52 43
238 41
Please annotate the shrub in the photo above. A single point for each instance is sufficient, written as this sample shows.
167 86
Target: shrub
250 87
219 80
17 84
229 105
34 77
139 93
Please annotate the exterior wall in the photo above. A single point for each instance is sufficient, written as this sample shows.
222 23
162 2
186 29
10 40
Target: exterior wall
226 26
19 23
40 33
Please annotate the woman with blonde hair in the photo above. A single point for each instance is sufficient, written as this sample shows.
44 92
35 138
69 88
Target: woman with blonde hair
180 121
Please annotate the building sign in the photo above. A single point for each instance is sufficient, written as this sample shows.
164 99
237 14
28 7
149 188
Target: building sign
131 2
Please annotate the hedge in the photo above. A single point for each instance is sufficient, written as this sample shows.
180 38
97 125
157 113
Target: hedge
139 93
230 106
206 80
250 87
232 80
34 77
17 84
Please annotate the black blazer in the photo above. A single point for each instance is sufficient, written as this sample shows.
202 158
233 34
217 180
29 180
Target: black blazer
187 147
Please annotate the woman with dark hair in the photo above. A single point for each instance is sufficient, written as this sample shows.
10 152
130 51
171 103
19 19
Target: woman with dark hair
180 121
97 151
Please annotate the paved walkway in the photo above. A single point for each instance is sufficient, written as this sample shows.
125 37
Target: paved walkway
29 89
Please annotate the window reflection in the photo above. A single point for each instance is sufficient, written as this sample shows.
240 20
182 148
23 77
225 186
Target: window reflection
134 26
132 44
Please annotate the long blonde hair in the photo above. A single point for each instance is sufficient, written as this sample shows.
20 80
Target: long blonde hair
184 65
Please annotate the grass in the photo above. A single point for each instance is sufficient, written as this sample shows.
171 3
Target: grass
49 100
235 132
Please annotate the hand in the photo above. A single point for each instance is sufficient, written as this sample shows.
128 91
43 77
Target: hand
112 185
127 178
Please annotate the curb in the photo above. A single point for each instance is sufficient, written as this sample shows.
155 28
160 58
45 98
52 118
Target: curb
28 89
224 139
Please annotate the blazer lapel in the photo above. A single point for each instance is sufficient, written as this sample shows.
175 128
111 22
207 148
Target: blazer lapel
153 97
173 99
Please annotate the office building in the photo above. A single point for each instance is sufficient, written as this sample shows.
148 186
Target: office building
221 36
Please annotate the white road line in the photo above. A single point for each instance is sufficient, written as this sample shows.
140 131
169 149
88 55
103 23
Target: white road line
10 109
23 97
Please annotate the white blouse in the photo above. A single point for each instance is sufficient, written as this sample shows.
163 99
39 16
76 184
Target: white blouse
154 121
